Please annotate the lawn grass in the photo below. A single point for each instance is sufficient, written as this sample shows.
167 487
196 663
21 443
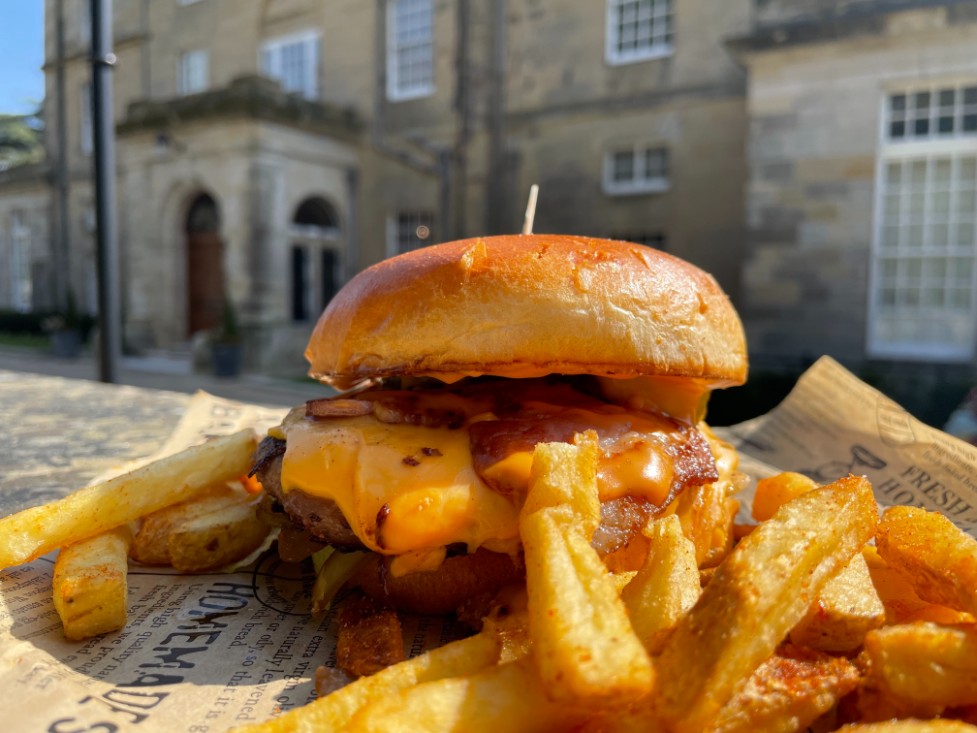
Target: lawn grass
25 340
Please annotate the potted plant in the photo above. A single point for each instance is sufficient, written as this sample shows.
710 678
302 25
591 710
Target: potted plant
66 330
226 343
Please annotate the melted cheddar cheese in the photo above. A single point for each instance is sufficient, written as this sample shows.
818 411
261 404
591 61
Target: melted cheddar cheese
401 487
411 490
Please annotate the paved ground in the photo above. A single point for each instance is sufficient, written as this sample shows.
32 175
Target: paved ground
166 373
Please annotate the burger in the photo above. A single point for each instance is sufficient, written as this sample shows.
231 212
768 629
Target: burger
450 363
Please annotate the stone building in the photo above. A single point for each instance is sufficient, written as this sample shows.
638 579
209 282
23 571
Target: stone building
862 192
267 150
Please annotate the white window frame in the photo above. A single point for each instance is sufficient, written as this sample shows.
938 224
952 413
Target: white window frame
394 242
190 80
642 182
930 148
270 60
86 132
661 44
396 91
21 244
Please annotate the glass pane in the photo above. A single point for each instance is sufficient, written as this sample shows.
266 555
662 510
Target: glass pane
938 234
964 203
890 268
890 236
940 203
917 174
961 269
893 174
935 268
916 201
892 209
964 235
967 170
914 268
933 297
897 129
921 127
921 100
941 171
947 96
960 298
887 296
945 125
970 95
655 163
914 235
897 102
623 168
969 123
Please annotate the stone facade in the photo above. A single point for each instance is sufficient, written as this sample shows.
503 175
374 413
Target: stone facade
522 92
816 277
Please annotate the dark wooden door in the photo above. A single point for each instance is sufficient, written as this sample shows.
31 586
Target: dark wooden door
205 280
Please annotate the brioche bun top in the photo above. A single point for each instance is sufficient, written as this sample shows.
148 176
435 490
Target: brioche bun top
528 306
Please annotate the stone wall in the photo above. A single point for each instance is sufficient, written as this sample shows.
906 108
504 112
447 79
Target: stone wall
814 133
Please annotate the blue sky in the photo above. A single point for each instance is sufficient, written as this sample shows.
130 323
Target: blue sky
21 55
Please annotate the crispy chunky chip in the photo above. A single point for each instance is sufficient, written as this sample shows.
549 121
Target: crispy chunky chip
757 596
90 584
101 507
936 556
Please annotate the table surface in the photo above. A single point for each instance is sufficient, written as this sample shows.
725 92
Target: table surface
60 433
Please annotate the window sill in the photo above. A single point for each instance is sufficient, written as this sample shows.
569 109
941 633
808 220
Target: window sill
649 54
409 94
920 353
637 188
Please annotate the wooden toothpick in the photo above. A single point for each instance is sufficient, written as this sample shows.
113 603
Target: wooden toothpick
527 224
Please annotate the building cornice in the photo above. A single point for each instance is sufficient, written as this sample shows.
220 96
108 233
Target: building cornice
853 21
249 97
29 174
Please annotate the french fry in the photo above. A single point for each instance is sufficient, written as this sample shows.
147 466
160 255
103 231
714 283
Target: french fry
370 638
218 538
902 605
924 663
847 609
583 643
90 588
773 492
936 556
334 712
565 475
150 545
869 704
98 508
910 726
506 697
757 595
707 520
787 693
666 587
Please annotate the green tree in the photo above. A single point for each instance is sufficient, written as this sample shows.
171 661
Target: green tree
20 140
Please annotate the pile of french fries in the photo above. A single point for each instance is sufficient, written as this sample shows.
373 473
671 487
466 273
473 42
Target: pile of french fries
193 511
820 616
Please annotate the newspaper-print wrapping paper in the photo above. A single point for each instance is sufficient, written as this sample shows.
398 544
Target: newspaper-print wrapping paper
203 653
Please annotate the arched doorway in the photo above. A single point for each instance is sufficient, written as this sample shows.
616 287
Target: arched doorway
205 265
315 264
